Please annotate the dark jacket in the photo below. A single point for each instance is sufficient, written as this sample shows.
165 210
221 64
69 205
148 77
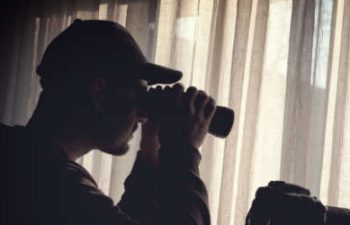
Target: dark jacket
42 186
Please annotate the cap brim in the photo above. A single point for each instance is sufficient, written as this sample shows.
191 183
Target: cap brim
156 74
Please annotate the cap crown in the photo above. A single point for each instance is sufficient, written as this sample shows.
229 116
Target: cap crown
89 48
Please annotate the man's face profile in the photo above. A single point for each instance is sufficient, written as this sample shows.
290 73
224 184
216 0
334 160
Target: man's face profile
117 111
111 73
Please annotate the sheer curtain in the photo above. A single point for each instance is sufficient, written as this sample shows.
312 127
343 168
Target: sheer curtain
282 65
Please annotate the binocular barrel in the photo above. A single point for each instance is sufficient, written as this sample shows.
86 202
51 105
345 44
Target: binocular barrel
156 103
222 122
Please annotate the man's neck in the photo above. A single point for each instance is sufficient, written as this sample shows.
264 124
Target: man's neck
75 148
73 145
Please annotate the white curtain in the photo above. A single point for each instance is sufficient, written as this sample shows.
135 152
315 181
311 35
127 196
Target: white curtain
282 65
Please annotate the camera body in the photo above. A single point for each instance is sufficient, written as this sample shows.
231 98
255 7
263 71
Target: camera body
337 216
281 203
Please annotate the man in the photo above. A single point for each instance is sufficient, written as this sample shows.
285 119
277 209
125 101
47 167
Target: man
94 79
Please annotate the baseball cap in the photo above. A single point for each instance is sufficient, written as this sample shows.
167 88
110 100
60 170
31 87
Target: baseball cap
98 47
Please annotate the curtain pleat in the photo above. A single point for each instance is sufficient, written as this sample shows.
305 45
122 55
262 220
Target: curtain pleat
298 94
335 141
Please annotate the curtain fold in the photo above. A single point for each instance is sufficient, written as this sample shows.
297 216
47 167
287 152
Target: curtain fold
336 130
282 65
298 93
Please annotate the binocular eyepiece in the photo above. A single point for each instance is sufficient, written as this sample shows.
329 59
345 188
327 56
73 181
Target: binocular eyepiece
156 103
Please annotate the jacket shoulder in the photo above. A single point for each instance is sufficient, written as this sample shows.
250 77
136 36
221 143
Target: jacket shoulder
10 135
4 129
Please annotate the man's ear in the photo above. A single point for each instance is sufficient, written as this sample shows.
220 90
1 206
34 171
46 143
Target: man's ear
98 93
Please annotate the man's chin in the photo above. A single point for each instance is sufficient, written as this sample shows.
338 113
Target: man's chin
122 150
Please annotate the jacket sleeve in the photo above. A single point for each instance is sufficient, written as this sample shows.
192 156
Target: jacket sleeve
141 197
82 203
170 194
183 196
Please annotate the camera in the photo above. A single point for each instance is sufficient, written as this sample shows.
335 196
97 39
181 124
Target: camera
156 103
337 216
281 203
330 216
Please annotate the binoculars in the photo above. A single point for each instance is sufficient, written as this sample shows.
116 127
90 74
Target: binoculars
156 102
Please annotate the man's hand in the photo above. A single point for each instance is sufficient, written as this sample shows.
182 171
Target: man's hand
189 120
149 141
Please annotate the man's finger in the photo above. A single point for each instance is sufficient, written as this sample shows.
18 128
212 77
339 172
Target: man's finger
209 108
189 98
200 100
177 92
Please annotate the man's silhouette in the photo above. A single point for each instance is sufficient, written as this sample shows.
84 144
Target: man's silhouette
94 79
